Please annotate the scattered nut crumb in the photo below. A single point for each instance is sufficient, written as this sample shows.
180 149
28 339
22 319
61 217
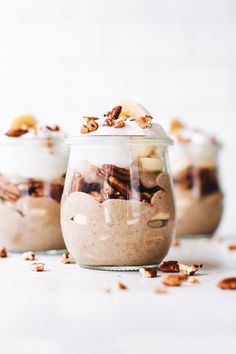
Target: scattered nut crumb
227 283
169 267
3 252
176 243
121 286
38 267
107 290
161 289
194 281
148 272
174 279
232 247
67 258
29 256
189 270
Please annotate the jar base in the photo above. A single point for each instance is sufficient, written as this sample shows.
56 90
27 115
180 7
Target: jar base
118 268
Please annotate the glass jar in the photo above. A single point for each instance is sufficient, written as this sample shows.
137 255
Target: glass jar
32 174
199 199
117 206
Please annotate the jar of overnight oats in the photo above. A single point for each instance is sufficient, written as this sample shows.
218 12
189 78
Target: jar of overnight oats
33 163
117 207
199 199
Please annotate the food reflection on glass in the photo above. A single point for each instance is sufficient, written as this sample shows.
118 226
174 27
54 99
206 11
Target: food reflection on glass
194 162
117 205
33 162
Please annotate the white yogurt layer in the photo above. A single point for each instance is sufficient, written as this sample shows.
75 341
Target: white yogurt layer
39 154
193 147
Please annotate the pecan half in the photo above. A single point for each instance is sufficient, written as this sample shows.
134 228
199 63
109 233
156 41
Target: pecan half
144 122
148 272
121 173
169 267
119 186
114 113
174 279
92 125
15 133
77 183
232 247
227 283
8 191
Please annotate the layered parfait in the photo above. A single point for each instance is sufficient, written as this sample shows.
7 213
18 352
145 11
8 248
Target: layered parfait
33 162
194 162
118 208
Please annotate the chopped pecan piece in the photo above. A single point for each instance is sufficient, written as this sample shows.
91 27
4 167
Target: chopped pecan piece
56 191
144 122
92 125
37 267
108 122
15 133
121 286
121 173
28 256
227 283
232 247
189 270
145 197
148 272
36 188
119 124
77 183
119 186
67 258
84 129
97 196
3 252
8 191
169 267
53 128
174 279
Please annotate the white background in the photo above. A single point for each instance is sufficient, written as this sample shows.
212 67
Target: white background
60 59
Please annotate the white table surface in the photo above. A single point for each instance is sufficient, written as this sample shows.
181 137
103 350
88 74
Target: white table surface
64 310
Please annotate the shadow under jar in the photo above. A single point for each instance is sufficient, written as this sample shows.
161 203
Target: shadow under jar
199 198
117 206
32 174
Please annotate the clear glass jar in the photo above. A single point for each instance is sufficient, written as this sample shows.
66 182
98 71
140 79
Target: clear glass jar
117 206
32 174
199 198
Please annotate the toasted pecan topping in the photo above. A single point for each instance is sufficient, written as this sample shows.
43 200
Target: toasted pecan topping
15 133
144 122
227 283
119 124
114 113
3 252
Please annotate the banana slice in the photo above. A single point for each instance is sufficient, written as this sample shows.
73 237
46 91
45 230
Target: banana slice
24 121
151 164
131 109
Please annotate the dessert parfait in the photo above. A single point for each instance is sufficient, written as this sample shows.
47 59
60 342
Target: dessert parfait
33 162
194 162
117 206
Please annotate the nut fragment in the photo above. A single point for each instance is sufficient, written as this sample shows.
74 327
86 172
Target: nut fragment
232 247
38 267
174 279
29 256
119 124
148 272
114 113
15 133
3 252
97 196
227 283
84 129
161 289
77 183
169 267
194 281
144 122
67 258
189 270
119 186
121 286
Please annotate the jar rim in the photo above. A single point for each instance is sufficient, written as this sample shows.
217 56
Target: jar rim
12 141
130 139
